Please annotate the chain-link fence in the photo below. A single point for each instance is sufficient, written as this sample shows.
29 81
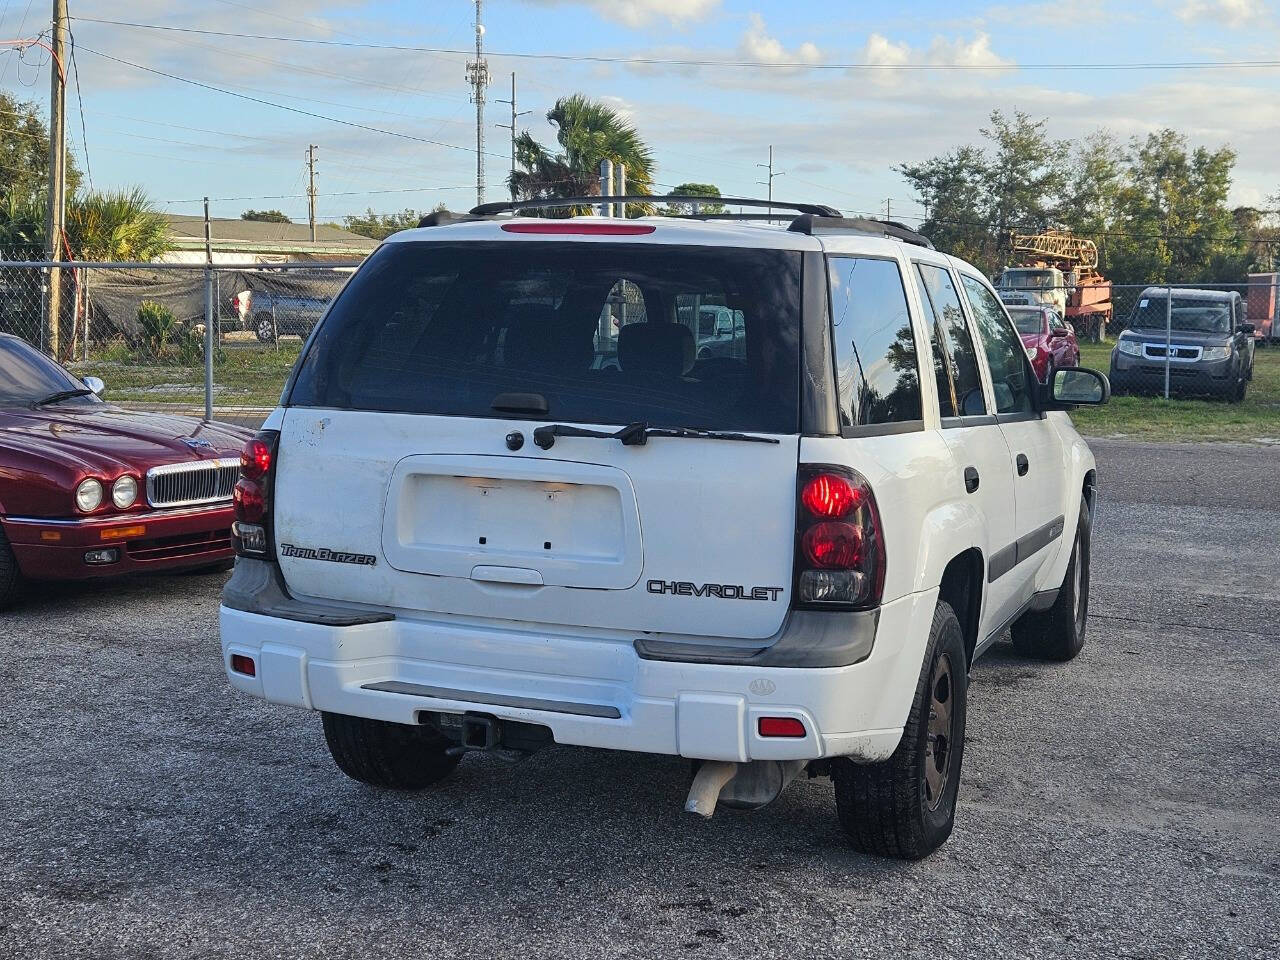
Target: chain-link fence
179 338
221 341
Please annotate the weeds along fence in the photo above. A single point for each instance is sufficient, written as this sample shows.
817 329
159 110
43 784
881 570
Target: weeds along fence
220 341
184 338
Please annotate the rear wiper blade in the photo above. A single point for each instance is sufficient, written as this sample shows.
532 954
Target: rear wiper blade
63 395
637 434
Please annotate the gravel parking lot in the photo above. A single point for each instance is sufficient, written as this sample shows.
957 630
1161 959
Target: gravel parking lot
1124 805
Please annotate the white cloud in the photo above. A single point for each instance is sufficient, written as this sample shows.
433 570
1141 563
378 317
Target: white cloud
1233 13
758 44
966 53
639 13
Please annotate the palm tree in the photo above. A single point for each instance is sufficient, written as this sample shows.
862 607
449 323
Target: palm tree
588 132
116 225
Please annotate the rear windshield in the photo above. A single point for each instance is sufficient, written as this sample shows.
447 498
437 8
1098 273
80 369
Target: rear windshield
1188 313
1027 321
606 333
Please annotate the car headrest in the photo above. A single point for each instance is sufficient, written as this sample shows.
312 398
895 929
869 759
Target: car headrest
662 348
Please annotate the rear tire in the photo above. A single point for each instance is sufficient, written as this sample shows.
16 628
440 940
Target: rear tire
1058 633
392 755
905 806
265 328
10 575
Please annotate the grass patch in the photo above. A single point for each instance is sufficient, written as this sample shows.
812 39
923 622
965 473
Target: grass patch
1154 418
242 376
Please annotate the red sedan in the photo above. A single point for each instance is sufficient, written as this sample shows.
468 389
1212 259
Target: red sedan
90 490
1050 340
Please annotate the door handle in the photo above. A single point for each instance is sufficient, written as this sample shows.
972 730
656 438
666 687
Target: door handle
970 479
1023 464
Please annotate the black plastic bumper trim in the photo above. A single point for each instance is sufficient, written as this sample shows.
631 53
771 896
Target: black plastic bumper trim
601 710
808 638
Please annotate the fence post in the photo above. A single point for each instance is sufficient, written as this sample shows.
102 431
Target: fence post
209 321
1168 336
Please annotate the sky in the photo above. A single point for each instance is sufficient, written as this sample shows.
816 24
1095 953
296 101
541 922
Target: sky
843 91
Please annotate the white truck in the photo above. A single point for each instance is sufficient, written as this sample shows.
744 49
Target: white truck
461 531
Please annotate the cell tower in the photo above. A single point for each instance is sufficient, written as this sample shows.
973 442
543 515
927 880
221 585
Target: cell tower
478 77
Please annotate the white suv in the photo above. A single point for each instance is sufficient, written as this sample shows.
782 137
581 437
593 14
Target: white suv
504 504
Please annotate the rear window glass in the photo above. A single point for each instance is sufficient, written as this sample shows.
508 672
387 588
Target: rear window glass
606 333
1027 321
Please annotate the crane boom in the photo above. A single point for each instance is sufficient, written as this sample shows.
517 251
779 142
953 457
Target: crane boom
1056 245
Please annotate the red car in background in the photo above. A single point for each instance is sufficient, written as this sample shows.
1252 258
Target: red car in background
1050 340
91 490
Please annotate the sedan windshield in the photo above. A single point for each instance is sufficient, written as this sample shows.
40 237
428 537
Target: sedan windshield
28 376
1027 321
1201 316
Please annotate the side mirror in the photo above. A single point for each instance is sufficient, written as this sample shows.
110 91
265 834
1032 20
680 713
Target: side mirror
95 384
1246 328
1057 333
1079 387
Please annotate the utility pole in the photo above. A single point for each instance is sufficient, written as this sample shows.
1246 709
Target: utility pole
888 208
515 115
311 189
55 218
478 77
769 183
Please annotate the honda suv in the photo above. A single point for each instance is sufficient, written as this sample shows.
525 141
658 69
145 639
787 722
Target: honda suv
463 530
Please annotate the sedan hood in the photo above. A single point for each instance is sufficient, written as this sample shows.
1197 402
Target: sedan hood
102 439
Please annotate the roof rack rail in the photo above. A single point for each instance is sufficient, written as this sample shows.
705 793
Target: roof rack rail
510 206
442 218
885 228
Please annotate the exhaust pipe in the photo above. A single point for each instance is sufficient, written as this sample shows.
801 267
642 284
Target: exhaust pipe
745 786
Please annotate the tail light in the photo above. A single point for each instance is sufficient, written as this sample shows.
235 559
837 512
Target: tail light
839 558
251 531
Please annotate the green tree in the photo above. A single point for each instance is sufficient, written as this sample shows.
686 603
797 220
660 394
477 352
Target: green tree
100 225
1092 195
24 151
379 226
1025 176
953 190
265 216
693 190
1173 217
116 225
588 132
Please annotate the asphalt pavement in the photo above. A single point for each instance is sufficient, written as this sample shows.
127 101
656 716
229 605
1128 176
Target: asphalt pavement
1123 805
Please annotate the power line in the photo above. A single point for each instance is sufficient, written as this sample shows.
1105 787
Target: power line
690 62
278 106
84 133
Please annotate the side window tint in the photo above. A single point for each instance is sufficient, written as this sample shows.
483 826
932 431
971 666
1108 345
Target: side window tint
955 361
1006 355
876 368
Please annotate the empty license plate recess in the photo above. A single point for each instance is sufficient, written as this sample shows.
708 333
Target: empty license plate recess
575 524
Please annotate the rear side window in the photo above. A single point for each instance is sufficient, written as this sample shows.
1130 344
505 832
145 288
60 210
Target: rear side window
954 358
876 368
1006 356
606 333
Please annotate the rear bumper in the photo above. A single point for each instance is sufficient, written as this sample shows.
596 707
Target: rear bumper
55 549
589 692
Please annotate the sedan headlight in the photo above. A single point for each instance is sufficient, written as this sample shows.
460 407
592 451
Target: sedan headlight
1033 352
1130 348
89 495
123 492
1215 353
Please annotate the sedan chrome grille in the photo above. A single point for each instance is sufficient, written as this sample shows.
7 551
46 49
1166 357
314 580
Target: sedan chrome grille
189 484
